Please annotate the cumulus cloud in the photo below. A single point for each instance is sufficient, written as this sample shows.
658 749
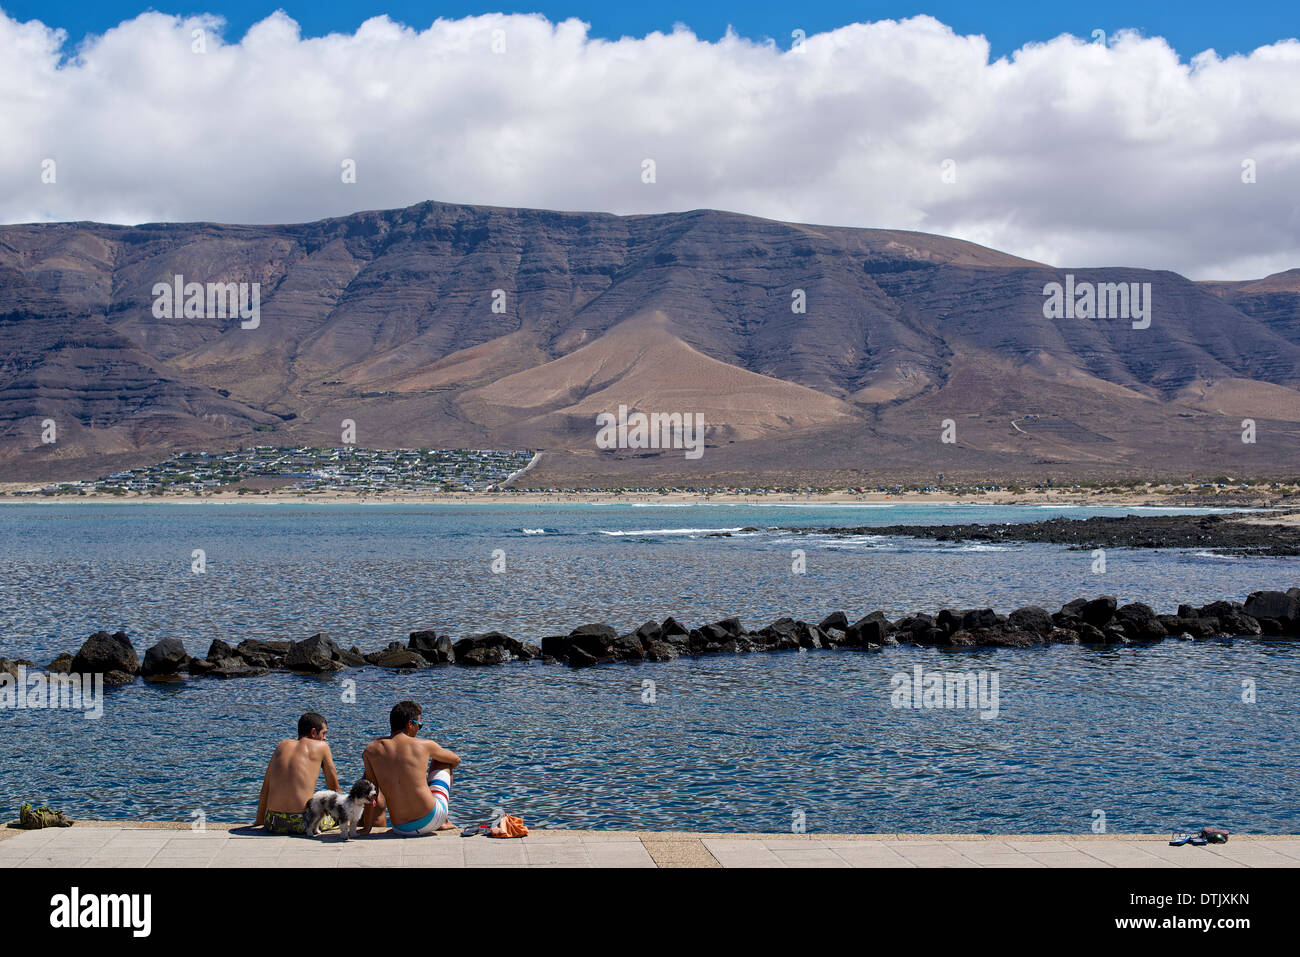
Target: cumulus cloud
1072 152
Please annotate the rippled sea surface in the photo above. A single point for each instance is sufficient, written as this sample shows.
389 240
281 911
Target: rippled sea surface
1157 738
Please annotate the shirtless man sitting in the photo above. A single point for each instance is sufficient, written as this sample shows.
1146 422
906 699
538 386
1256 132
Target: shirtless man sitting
290 779
413 776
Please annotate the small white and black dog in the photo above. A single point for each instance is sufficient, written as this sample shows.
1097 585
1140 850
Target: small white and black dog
346 810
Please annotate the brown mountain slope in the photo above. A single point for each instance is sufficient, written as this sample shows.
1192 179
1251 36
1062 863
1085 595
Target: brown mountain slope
463 325
643 365
1273 300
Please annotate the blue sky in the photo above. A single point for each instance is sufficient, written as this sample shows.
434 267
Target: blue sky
1190 26
1074 153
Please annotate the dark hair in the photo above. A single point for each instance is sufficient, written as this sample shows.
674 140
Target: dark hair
310 722
402 714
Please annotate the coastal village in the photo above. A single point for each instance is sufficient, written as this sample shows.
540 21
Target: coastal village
307 471
266 467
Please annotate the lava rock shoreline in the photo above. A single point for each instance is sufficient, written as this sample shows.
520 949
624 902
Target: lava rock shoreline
1096 621
1229 534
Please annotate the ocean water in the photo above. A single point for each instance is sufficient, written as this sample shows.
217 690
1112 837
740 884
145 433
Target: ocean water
1155 738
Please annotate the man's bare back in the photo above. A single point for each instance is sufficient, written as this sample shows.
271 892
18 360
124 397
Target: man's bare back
401 766
292 774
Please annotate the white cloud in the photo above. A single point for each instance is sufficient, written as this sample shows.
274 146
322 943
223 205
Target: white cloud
1068 151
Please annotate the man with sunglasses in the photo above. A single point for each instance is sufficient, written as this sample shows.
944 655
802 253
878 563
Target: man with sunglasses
413 776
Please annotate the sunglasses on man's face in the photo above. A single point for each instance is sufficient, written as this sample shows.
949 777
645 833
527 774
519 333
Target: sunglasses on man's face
417 724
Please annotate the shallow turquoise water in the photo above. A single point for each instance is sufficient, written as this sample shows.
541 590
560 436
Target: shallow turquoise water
371 574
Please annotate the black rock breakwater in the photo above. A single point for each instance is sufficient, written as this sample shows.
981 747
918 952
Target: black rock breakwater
1234 533
1097 621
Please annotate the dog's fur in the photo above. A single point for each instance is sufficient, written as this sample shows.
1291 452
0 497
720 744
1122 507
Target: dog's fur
346 810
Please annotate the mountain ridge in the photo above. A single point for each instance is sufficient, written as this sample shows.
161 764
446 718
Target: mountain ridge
387 318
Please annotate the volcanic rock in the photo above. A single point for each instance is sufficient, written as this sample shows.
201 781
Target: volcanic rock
318 655
104 653
165 658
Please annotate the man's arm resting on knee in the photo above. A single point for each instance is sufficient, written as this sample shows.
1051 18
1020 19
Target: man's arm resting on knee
440 755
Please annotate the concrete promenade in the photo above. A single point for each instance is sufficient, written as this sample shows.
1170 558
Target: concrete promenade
121 844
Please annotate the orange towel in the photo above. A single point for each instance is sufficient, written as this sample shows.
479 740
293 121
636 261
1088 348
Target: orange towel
509 826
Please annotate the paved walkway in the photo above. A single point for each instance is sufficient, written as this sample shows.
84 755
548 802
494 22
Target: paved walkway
109 844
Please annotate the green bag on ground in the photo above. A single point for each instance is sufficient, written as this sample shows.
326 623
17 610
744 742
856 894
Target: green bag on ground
34 818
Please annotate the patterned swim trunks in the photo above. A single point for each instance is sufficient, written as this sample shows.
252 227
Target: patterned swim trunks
285 822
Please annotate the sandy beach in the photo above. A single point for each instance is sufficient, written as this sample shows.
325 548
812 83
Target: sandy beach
1226 498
